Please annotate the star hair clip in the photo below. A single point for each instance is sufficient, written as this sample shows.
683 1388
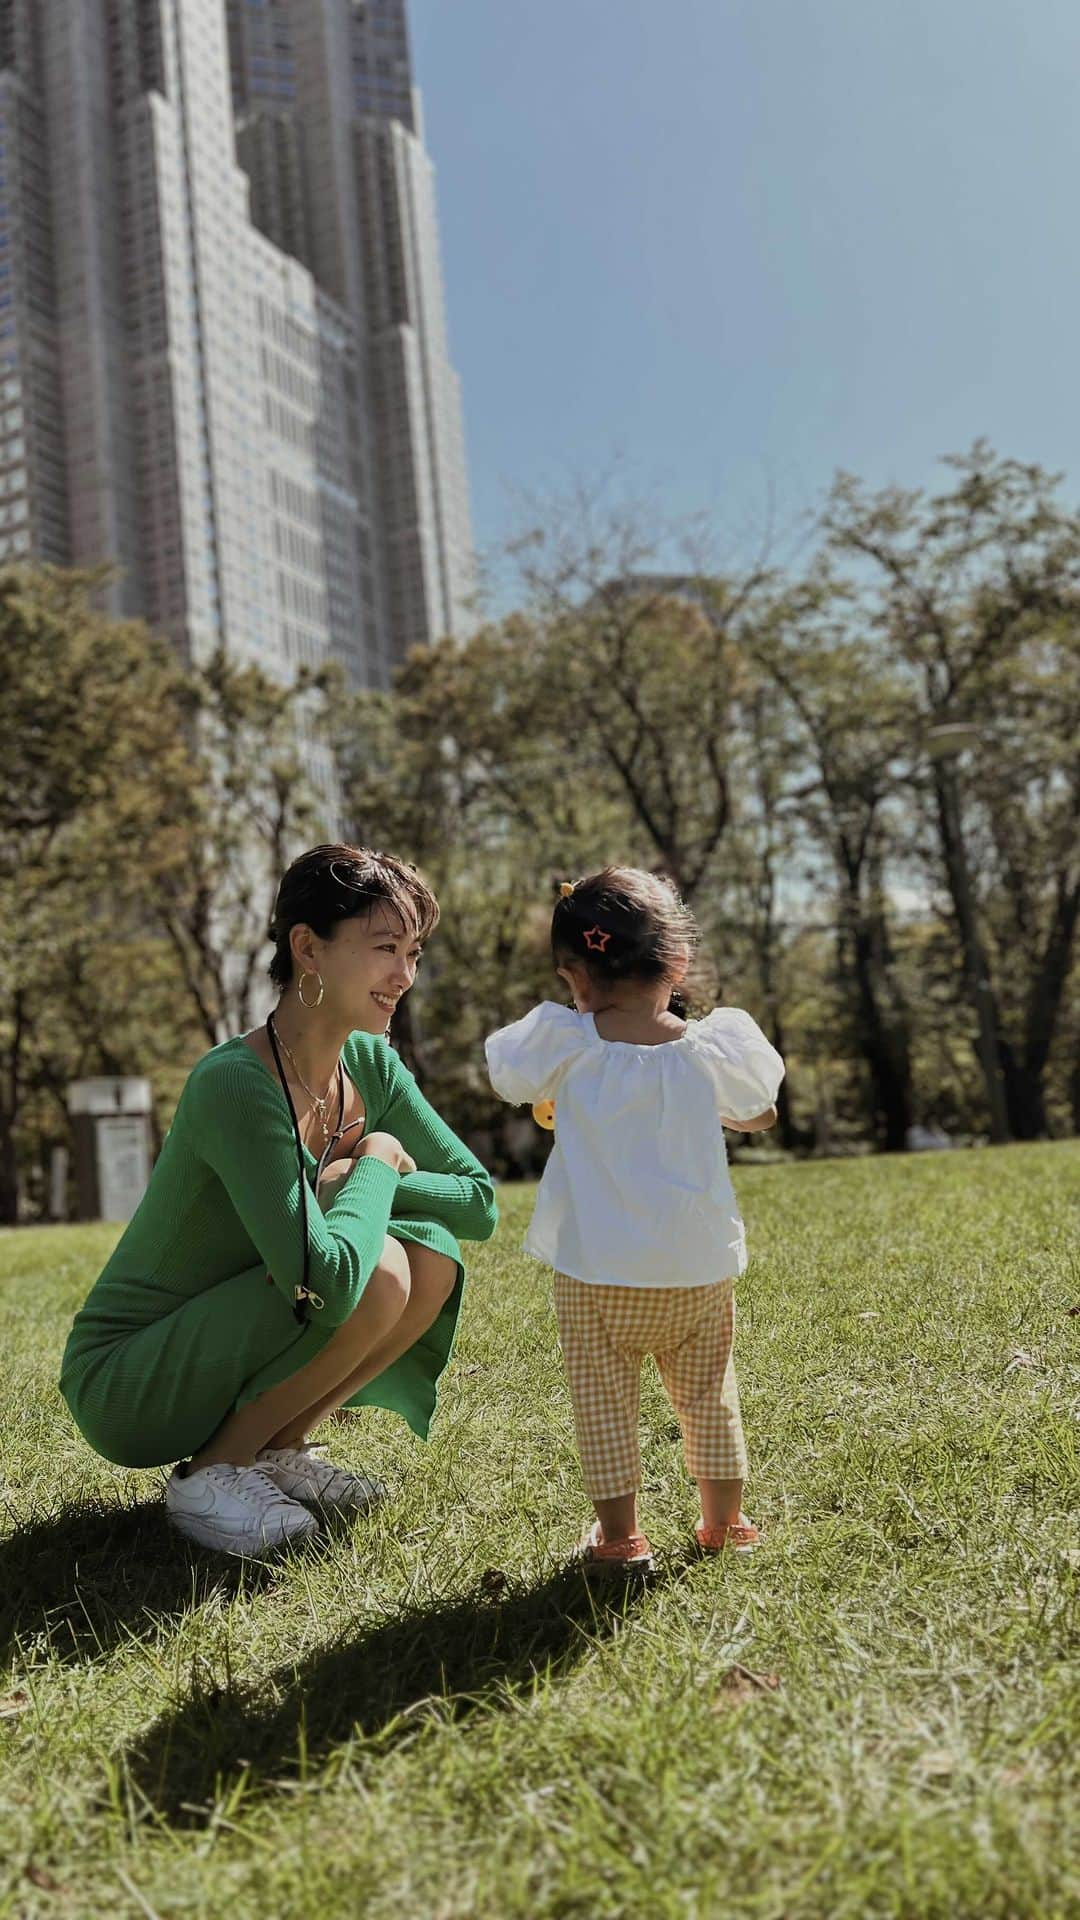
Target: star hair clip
596 939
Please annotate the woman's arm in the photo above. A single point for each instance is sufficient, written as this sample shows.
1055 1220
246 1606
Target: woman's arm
449 1184
236 1122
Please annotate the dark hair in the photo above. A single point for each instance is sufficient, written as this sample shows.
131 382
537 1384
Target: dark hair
335 883
624 924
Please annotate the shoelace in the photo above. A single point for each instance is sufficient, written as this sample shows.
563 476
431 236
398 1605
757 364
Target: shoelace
265 1483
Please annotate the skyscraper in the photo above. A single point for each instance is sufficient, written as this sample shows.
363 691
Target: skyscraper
222 348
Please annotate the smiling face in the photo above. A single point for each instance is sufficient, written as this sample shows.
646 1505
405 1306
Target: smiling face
366 967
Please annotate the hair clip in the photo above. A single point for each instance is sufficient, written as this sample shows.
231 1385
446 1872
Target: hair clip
596 939
566 889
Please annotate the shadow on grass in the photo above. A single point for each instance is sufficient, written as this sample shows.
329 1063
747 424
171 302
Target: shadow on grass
384 1683
93 1576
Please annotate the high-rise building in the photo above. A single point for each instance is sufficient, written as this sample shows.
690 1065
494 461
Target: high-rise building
329 132
223 362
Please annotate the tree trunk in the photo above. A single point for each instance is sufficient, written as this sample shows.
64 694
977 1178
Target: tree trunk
882 1045
975 963
1024 1096
787 1132
885 1051
1024 1077
9 1114
9 1173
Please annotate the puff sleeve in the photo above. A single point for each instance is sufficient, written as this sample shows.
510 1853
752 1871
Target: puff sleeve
746 1069
527 1060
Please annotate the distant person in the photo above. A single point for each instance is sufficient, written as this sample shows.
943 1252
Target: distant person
296 1250
636 1211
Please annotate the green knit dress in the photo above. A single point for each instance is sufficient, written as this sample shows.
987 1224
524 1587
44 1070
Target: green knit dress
193 1315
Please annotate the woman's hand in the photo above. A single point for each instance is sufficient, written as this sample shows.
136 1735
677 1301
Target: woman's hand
376 1146
384 1147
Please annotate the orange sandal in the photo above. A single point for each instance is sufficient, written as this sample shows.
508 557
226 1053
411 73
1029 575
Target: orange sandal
632 1555
740 1536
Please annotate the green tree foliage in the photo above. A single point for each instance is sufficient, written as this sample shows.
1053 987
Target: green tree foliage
92 714
865 780
973 597
265 790
900 917
472 769
146 813
847 744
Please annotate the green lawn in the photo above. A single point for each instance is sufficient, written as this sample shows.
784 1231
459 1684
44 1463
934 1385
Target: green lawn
427 1717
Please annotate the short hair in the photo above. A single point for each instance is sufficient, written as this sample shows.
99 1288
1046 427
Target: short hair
331 884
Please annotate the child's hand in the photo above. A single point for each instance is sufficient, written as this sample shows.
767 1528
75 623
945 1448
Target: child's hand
758 1124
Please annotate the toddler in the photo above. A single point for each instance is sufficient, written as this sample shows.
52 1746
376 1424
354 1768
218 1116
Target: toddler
636 1211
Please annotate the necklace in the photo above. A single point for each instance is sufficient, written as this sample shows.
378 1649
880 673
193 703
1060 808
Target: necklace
321 1107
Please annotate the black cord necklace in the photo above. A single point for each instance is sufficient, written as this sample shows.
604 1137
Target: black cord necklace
303 1293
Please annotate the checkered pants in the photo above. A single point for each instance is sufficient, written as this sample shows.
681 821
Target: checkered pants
606 1332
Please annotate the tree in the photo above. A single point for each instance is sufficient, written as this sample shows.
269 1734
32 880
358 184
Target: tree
967 590
265 789
469 769
645 668
92 717
843 781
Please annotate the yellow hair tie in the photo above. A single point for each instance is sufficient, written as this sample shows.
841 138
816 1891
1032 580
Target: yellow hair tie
566 889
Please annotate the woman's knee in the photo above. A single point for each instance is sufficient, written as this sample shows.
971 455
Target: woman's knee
389 1285
433 1275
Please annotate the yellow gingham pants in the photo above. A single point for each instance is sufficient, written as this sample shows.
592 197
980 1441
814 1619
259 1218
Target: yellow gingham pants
606 1332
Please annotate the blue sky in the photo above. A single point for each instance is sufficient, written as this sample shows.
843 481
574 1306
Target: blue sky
731 245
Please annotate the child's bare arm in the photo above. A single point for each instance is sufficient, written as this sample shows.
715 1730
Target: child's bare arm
757 1125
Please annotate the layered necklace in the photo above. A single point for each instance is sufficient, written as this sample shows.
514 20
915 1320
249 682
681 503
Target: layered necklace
321 1106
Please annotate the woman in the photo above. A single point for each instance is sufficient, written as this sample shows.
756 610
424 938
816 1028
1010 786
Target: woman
296 1248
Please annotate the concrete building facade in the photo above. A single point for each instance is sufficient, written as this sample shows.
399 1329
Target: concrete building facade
329 131
214 371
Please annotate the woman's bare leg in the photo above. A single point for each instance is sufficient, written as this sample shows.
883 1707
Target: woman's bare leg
431 1282
383 1304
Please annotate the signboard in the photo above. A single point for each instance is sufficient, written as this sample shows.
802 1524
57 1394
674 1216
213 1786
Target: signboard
110 1135
123 1163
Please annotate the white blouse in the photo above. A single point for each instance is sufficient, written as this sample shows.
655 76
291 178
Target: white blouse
636 1192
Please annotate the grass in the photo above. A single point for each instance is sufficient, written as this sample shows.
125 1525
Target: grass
427 1716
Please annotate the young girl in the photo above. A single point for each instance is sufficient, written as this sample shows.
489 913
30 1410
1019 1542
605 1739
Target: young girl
636 1211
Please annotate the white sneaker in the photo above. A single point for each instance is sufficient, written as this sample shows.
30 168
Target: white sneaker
303 1476
236 1510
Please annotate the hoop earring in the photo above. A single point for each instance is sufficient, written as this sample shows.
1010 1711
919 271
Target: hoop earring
310 1004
